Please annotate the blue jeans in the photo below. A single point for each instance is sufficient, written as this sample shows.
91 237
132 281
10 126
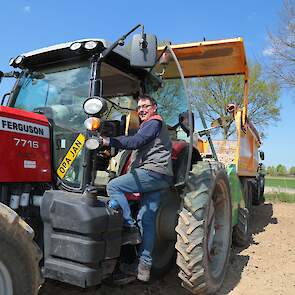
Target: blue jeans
150 185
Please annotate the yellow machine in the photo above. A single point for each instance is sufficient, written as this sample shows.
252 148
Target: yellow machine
216 58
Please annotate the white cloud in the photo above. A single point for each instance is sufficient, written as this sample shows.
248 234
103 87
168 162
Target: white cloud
27 9
268 51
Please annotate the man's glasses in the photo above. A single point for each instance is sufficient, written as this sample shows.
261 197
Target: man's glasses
144 107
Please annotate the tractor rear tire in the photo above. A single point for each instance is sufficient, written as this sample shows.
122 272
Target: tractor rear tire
204 229
19 256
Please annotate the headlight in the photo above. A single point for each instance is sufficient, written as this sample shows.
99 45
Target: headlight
90 45
92 143
76 46
19 59
92 123
93 106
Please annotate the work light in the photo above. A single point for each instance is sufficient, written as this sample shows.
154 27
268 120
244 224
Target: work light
90 45
76 46
19 59
94 105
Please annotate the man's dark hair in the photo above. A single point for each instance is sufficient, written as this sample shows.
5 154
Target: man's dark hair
147 96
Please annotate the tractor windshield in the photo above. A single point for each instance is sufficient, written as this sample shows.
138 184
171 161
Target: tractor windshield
63 89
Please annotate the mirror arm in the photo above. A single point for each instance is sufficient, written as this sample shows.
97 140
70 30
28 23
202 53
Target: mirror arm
158 59
120 41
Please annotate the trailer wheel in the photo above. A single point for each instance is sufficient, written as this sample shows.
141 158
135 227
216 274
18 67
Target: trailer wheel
248 185
204 229
241 234
19 256
261 184
258 192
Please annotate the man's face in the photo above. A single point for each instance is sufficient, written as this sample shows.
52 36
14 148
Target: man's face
145 109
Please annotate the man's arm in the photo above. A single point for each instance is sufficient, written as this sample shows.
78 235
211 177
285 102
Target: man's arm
148 132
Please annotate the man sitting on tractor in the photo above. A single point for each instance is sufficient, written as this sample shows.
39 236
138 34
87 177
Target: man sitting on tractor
151 171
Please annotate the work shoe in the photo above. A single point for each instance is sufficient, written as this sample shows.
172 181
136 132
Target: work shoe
131 235
143 272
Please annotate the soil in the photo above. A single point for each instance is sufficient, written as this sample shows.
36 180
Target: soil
265 266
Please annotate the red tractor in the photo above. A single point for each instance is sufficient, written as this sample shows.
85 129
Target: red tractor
53 171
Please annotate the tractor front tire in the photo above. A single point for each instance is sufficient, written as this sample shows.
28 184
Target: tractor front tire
19 256
204 229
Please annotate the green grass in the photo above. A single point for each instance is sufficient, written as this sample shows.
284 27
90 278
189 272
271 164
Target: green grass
280 197
285 182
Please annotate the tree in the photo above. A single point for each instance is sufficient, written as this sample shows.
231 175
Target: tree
171 100
292 171
213 94
281 170
282 50
271 170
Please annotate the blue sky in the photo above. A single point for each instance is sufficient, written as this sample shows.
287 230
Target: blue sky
28 25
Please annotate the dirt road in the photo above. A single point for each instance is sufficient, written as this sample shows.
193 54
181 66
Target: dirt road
265 267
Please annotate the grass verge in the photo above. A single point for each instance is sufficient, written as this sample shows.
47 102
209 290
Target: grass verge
283 182
280 197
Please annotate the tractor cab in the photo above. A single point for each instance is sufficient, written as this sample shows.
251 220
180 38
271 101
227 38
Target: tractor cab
56 81
61 80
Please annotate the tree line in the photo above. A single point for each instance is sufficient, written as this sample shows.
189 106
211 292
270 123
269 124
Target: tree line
280 170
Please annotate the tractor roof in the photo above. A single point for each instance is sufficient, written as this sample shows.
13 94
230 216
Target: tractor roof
67 45
59 52
209 58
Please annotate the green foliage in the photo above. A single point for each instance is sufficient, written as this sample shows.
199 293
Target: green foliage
171 100
271 170
213 94
281 170
292 171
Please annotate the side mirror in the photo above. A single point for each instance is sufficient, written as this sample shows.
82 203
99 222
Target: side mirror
261 155
143 51
184 122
